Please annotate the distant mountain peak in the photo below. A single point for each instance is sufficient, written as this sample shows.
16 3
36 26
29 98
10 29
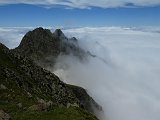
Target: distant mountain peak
59 34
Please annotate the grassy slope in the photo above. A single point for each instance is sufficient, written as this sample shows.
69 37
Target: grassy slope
72 113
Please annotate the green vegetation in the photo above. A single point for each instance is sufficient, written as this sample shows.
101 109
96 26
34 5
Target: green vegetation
57 113
72 113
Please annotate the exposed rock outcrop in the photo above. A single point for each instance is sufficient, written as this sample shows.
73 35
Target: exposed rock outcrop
43 47
85 100
4 116
19 73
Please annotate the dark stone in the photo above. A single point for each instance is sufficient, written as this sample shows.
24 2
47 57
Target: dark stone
43 47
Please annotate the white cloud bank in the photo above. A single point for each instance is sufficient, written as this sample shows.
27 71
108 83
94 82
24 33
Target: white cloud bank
127 83
11 37
85 3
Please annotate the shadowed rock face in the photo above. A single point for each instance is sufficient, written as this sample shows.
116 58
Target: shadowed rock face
59 35
43 47
85 100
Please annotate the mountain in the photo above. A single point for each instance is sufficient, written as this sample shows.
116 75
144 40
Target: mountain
29 91
43 46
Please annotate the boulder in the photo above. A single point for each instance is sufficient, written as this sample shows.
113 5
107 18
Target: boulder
3 87
4 116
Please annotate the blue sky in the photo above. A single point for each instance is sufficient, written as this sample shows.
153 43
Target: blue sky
23 15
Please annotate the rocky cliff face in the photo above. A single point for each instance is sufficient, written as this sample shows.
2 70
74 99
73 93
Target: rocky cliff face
43 47
23 74
25 84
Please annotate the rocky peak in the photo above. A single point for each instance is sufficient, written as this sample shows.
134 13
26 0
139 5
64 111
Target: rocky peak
59 34
38 44
36 37
43 46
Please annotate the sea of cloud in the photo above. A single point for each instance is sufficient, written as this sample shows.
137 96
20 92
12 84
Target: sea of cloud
124 78
11 36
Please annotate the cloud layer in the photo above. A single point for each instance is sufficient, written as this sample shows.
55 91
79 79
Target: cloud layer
11 37
124 78
85 3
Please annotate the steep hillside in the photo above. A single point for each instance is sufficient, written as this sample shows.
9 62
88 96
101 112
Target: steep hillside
27 89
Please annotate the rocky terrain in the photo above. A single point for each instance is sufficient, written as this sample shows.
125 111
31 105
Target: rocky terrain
29 91
43 46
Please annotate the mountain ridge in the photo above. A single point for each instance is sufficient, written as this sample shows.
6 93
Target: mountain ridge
43 46
22 80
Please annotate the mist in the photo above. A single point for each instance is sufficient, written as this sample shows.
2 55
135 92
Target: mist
124 78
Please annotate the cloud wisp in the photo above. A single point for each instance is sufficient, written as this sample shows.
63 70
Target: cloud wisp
85 3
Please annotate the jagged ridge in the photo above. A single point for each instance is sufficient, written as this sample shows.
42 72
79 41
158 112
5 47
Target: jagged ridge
43 47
